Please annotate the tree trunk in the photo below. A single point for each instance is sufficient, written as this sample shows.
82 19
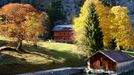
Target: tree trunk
19 45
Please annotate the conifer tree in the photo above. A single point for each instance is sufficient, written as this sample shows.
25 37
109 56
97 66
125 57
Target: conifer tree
103 12
88 34
109 2
92 32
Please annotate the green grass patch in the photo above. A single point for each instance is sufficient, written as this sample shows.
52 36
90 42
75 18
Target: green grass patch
130 53
45 55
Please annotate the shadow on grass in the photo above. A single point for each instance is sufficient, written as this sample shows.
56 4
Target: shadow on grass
17 65
8 63
3 42
51 52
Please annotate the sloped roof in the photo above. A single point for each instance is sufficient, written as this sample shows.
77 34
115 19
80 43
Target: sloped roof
117 56
62 27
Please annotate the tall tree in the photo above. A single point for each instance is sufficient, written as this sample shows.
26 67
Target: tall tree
116 26
103 13
109 2
21 22
88 34
93 32
122 28
56 12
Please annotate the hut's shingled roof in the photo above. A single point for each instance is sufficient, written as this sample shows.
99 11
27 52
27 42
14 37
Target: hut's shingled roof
118 56
63 27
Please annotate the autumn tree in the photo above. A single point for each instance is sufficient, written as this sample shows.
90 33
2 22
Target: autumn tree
88 34
115 25
21 22
104 16
122 28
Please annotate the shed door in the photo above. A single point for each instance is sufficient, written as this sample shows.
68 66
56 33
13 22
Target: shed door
96 64
105 65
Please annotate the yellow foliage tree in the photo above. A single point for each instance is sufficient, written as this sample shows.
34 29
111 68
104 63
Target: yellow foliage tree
115 24
104 17
80 22
122 32
88 34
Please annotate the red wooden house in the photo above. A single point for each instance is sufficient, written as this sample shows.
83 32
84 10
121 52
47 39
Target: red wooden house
110 62
63 33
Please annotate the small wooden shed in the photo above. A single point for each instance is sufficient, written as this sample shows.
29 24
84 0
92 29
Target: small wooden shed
63 33
111 61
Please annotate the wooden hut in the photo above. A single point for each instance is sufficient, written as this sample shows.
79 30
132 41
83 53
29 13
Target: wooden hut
110 62
63 33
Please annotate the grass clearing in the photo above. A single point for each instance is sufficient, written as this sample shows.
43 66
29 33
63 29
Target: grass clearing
131 53
45 55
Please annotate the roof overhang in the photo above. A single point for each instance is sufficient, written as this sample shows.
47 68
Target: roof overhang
104 55
108 57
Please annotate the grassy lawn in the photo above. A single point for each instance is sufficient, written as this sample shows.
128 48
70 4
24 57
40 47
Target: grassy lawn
130 53
45 55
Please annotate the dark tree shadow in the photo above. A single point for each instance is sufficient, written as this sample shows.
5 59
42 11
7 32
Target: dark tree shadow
7 67
50 52
3 43
18 65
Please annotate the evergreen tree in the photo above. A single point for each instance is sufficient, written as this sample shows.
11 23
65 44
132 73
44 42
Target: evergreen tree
93 35
88 34
56 11
103 12
109 2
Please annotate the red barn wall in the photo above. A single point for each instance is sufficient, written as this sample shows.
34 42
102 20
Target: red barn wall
64 36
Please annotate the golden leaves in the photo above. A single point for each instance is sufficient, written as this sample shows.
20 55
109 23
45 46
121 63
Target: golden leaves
105 22
115 24
80 22
23 21
122 23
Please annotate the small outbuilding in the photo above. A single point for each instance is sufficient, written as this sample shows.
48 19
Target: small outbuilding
110 62
63 33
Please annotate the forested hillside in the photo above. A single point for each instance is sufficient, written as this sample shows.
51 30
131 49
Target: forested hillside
59 11
62 11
